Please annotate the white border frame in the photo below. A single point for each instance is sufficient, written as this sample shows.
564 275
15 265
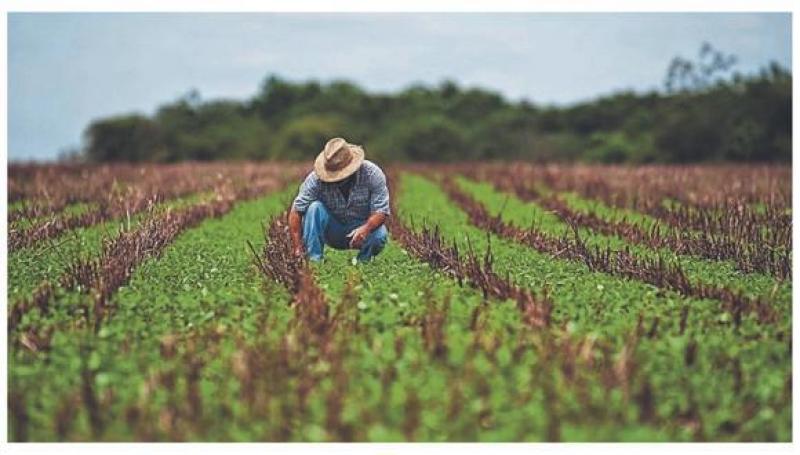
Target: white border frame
382 6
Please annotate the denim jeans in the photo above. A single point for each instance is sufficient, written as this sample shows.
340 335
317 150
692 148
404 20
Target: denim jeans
320 229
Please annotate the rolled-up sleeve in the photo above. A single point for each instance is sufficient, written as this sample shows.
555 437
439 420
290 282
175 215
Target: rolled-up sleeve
379 193
309 192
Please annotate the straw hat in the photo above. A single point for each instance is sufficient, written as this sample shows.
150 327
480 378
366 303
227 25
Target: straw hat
338 160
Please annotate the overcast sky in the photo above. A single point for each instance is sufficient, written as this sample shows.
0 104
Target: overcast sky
66 69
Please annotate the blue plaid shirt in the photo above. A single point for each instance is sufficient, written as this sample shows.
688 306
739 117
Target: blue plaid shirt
368 195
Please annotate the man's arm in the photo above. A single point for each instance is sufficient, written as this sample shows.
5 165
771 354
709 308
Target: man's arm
309 192
358 235
295 224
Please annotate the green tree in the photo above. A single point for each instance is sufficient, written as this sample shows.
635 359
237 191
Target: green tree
707 112
303 138
124 138
425 138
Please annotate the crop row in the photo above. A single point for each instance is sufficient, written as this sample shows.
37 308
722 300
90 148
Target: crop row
682 337
107 198
426 342
268 383
473 353
753 254
281 265
584 363
523 214
429 247
36 190
101 276
657 272
434 360
736 202
144 374
698 187
441 340
750 255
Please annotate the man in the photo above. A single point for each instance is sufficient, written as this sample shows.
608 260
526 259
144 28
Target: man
342 203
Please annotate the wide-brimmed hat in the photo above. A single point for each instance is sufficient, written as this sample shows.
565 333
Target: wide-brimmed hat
338 160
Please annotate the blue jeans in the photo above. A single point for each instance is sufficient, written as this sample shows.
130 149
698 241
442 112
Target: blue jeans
320 229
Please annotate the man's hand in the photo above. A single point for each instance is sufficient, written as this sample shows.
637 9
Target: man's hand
295 221
358 235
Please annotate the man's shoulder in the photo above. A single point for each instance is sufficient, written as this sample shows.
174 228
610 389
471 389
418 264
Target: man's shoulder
371 168
311 177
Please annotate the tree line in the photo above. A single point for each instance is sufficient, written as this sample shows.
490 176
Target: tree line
705 112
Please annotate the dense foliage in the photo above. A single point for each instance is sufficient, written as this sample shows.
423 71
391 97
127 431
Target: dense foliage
704 114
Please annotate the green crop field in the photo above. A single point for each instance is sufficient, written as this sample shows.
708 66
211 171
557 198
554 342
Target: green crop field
513 302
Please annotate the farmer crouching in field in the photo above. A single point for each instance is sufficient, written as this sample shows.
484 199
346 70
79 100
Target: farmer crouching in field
342 203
